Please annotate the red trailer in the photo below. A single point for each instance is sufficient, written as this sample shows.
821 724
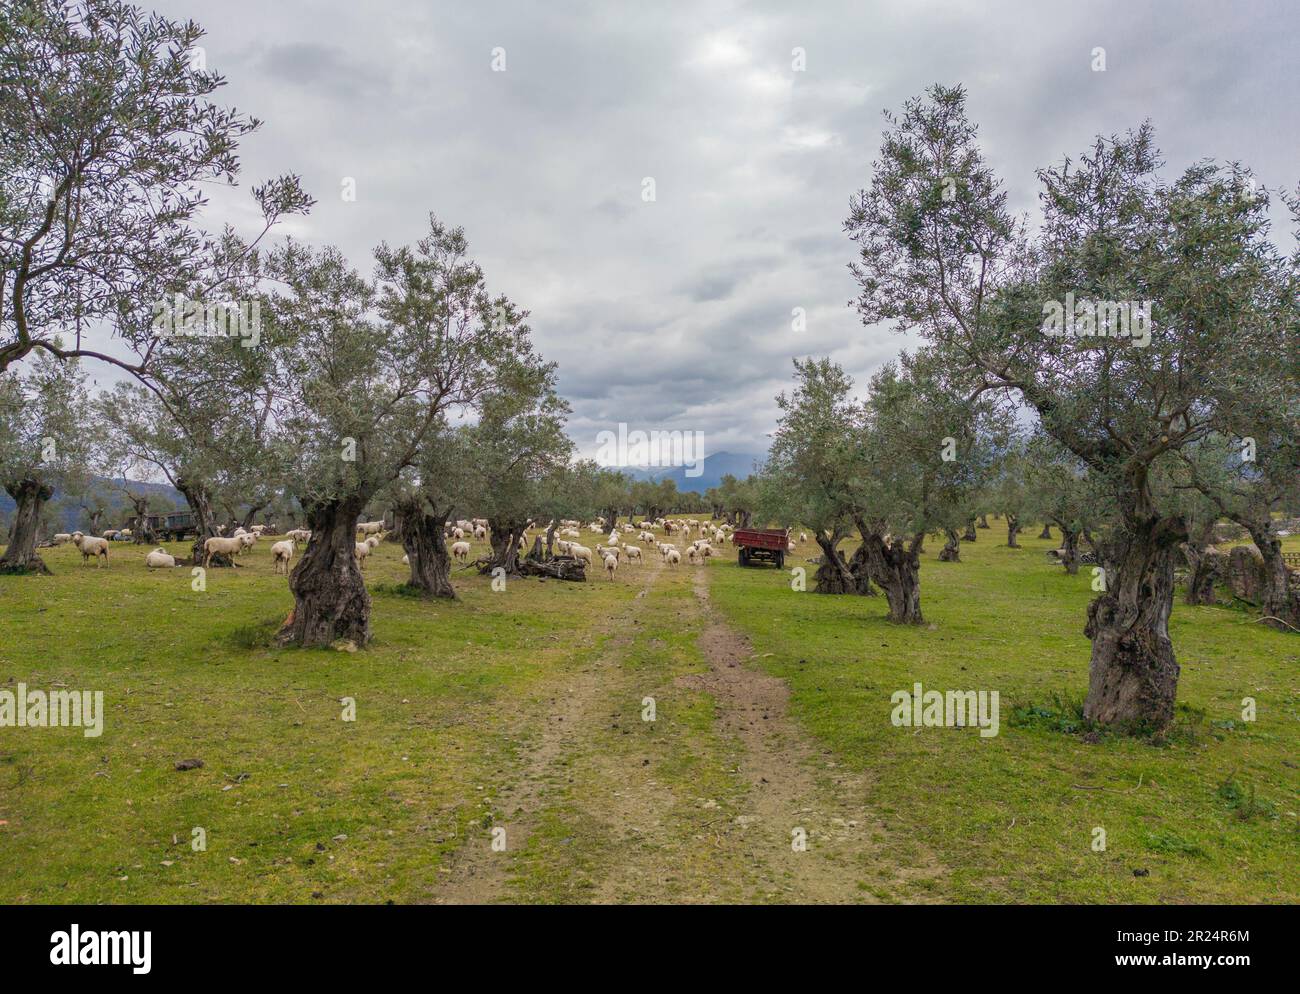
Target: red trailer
761 545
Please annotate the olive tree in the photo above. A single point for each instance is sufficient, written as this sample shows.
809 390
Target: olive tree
1131 324
45 439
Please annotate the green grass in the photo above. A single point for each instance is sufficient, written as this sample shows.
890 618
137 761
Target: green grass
191 675
1012 816
452 698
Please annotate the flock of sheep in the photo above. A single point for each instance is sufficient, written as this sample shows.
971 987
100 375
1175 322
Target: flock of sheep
612 550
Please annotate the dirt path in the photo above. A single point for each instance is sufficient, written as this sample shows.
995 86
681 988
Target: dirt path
480 874
723 799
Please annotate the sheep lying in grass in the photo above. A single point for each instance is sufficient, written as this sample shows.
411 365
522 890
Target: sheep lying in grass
611 564
90 546
220 546
283 554
460 550
158 559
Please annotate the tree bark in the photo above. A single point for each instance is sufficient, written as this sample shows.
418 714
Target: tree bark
330 600
896 570
1279 601
20 555
951 552
1205 566
833 575
984 521
1133 674
426 550
860 567
971 535
1070 543
205 527
1013 529
1046 532
504 536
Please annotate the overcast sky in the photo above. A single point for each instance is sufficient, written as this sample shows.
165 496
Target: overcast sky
677 313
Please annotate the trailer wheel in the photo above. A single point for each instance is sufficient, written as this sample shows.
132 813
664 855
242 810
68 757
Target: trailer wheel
780 560
744 556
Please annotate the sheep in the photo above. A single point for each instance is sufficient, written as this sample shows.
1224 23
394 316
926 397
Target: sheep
672 557
580 552
607 550
633 553
611 564
458 533
693 556
370 527
803 537
158 559
299 535
219 546
480 533
89 546
789 545
61 538
283 553
373 541
460 550
246 541
361 550
562 547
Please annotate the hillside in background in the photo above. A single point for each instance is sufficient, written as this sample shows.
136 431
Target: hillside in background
73 517
714 468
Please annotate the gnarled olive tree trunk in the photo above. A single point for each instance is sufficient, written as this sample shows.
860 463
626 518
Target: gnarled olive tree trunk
833 575
1133 675
1205 569
1046 532
970 535
330 600
1070 544
1279 601
896 568
1013 530
951 551
504 536
20 555
426 549
205 524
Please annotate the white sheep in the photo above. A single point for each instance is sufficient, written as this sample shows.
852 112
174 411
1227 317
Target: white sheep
90 546
460 550
158 559
611 564
373 541
61 538
219 546
607 550
361 550
283 553
803 538
580 552
370 527
672 557
633 553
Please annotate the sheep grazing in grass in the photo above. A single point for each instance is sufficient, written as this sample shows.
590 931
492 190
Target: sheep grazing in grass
611 564
62 538
562 547
406 560
460 550
580 552
220 546
373 541
283 552
158 559
607 550
90 546
633 553
370 527
672 557
361 550
480 533
803 537
694 556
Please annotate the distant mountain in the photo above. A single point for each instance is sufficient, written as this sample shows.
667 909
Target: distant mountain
118 507
713 469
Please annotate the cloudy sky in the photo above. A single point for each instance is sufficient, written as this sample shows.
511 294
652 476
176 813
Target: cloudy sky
676 313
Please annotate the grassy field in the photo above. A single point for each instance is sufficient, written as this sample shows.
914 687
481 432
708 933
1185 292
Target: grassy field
524 710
